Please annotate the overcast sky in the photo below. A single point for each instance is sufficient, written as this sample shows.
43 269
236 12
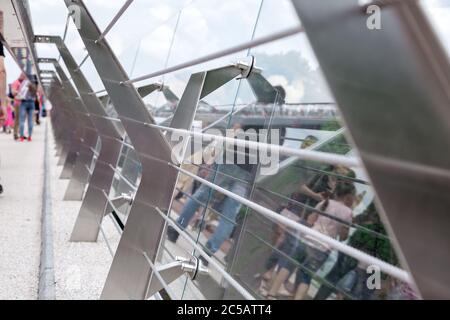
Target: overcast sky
153 33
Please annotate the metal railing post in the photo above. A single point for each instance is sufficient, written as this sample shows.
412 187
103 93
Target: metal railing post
94 203
392 86
130 272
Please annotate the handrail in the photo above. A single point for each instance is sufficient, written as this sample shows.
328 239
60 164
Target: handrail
220 54
300 153
82 62
128 182
114 20
357 254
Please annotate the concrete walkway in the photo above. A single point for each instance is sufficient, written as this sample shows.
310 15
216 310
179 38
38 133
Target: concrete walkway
21 174
80 268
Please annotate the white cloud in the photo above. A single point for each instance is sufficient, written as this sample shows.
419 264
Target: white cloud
98 4
117 44
157 43
161 12
294 90
205 26
48 29
43 4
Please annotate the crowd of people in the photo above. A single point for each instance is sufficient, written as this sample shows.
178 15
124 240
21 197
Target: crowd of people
24 107
324 203
225 176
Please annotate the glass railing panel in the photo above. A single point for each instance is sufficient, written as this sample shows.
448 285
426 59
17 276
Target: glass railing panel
162 103
47 50
49 18
127 177
285 95
12 69
217 222
143 17
103 11
74 43
92 76
143 47
257 248
209 26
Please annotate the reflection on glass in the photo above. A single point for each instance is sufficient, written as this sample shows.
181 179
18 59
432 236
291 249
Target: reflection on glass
209 26
92 76
268 259
74 43
286 96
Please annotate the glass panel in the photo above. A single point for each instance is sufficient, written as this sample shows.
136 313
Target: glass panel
12 69
143 48
285 95
267 258
48 19
92 76
103 11
74 43
199 16
47 50
209 26
126 179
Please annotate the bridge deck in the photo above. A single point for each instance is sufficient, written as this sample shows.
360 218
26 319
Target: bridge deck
21 173
80 268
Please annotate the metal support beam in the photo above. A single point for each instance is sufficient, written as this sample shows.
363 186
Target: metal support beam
72 132
393 88
59 113
115 19
130 273
87 134
94 204
174 270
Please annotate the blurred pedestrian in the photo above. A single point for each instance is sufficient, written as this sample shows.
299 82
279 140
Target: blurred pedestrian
15 86
27 94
